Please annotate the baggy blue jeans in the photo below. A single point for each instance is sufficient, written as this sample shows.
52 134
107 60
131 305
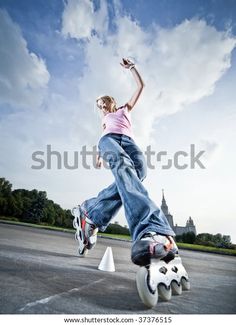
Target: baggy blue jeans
128 166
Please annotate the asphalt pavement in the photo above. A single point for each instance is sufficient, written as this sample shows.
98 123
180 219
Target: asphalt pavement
41 273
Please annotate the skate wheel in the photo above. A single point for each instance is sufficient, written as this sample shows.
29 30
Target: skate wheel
176 288
164 292
73 211
90 246
148 298
83 252
74 224
76 236
185 284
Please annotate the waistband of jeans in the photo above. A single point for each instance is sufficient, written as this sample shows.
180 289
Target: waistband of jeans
118 135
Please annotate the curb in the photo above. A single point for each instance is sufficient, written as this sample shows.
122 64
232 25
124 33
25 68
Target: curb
23 224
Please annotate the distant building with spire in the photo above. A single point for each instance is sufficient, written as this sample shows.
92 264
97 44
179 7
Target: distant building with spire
179 230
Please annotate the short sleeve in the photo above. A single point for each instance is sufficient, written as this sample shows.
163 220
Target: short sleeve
125 107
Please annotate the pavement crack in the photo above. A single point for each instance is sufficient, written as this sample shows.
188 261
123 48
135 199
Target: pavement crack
58 295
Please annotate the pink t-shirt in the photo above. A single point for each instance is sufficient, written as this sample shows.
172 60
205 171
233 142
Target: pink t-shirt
118 122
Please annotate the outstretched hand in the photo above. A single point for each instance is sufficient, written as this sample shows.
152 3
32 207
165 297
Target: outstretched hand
126 63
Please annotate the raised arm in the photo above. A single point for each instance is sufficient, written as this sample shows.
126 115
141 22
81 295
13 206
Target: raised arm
140 84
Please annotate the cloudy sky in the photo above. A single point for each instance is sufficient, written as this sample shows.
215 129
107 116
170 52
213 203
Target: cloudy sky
57 56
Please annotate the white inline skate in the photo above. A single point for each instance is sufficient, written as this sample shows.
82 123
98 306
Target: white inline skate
161 273
86 231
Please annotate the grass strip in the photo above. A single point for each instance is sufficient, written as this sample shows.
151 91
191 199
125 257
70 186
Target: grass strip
193 247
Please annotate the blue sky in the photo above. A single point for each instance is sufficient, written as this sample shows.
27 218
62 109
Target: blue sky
170 13
57 56
39 21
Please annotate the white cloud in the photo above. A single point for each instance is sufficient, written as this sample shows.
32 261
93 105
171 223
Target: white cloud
179 65
23 75
193 56
79 19
210 147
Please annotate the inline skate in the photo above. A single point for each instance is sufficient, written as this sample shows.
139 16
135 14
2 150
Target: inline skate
161 272
86 231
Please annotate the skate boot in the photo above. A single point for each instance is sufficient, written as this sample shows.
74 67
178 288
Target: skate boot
86 231
161 273
153 245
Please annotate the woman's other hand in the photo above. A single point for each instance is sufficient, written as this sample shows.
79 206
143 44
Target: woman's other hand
98 162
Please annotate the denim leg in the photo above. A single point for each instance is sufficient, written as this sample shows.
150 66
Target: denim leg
141 212
103 208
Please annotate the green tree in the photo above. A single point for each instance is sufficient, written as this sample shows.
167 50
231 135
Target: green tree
35 212
217 240
178 238
31 206
68 219
188 237
115 228
5 194
5 187
226 242
49 213
204 239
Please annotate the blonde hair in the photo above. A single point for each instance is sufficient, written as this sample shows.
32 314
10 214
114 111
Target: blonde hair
110 100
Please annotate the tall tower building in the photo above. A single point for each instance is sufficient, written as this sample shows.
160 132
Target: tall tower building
190 226
179 230
164 208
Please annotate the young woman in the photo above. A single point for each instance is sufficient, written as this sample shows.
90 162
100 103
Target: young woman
149 228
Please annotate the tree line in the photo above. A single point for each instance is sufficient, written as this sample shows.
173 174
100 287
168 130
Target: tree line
34 207
206 239
31 206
